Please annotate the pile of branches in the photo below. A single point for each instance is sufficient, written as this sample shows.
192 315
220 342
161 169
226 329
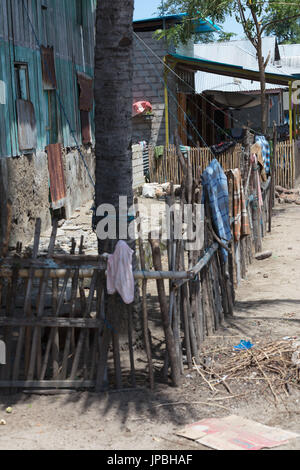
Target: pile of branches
276 363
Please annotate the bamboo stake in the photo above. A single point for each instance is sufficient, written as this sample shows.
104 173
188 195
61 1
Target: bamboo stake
53 339
170 343
83 332
27 304
64 367
40 310
144 299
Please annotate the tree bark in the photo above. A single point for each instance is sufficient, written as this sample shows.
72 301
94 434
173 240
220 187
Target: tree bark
113 98
113 122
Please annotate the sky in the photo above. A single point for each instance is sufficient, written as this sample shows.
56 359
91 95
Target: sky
148 8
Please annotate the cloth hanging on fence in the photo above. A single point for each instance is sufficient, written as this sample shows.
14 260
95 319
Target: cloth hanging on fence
159 151
215 189
265 148
257 150
240 214
222 147
120 274
253 160
185 150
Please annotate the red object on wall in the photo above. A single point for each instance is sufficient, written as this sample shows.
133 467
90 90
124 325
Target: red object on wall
141 107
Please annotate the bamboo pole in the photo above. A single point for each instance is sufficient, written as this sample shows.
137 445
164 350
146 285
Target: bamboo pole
144 300
170 342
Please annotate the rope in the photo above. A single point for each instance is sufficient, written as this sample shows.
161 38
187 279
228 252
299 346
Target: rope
186 116
180 107
190 86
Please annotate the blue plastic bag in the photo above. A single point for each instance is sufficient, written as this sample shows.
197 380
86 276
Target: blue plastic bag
243 345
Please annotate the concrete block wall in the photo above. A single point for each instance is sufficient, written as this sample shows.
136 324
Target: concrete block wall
148 85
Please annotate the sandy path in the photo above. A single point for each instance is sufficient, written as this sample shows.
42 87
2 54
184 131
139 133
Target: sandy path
268 300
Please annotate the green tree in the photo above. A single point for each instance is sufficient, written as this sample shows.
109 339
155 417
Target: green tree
286 30
256 17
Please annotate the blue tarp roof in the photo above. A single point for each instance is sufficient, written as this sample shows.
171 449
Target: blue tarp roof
202 26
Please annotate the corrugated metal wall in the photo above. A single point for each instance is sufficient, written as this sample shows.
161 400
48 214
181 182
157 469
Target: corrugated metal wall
56 24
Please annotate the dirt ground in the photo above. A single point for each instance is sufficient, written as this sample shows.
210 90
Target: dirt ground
267 307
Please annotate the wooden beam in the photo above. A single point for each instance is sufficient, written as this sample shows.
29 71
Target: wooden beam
47 384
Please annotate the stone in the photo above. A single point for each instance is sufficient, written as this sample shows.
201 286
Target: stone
263 255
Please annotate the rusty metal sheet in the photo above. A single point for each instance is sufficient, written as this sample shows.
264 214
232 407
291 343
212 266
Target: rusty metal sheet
57 177
86 98
27 133
85 127
48 68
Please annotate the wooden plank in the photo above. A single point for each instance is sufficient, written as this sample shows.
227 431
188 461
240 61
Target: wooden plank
57 177
82 335
47 384
51 322
27 130
66 352
35 353
27 305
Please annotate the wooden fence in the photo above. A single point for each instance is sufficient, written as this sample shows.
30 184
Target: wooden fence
59 336
285 164
167 168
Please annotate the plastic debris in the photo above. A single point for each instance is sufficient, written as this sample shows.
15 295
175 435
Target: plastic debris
244 345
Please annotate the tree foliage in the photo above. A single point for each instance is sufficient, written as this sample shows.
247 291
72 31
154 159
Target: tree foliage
287 31
280 18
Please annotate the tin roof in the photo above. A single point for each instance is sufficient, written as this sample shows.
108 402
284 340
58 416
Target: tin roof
290 57
241 53
232 70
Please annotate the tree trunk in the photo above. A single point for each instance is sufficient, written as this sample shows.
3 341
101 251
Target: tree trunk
261 64
113 97
113 125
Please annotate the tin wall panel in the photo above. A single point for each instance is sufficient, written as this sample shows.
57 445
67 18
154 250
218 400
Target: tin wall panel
86 98
57 177
48 68
85 127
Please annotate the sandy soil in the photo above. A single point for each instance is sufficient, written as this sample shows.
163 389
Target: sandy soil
268 307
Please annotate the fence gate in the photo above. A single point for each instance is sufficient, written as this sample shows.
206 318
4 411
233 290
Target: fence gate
52 320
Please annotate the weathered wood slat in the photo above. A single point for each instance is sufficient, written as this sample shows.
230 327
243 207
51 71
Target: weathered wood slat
51 322
47 384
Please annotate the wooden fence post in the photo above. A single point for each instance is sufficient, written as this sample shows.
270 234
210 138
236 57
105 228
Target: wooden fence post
273 176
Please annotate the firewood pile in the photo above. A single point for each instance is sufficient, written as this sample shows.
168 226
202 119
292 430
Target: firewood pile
289 196
276 364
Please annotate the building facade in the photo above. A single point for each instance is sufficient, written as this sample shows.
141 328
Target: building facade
46 110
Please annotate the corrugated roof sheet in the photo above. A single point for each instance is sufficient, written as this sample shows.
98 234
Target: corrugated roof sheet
290 57
241 53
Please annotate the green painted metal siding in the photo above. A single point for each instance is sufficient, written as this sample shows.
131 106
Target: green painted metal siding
73 44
